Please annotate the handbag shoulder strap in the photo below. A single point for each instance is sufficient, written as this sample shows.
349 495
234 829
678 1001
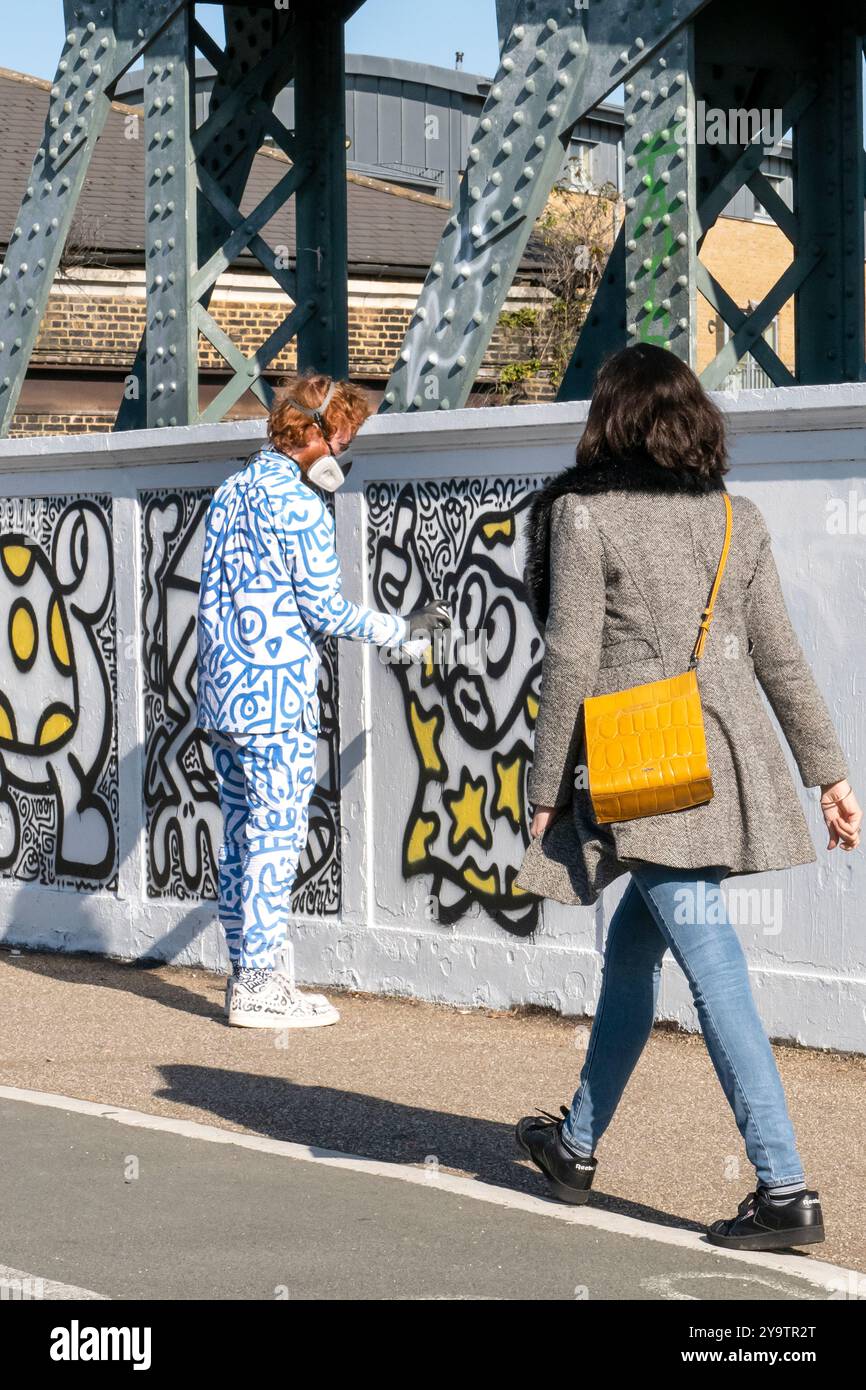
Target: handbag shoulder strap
707 615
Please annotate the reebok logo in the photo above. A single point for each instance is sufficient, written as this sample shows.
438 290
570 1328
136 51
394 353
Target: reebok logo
810 1202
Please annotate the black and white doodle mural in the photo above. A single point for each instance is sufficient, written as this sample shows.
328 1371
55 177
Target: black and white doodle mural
470 715
182 814
58 692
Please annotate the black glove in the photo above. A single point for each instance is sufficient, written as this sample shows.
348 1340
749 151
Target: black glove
424 622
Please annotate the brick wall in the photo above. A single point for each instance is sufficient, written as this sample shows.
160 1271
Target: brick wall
746 258
100 332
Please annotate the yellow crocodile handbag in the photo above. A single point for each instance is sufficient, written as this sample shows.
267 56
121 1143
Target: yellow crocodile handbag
646 752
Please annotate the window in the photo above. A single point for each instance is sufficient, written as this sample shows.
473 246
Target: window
577 173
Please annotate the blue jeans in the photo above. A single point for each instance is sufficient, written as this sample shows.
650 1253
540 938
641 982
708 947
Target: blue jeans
684 910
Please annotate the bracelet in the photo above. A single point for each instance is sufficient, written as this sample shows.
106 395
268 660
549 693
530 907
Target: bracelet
836 799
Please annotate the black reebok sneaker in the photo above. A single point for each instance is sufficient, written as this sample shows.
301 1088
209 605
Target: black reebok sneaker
570 1176
763 1225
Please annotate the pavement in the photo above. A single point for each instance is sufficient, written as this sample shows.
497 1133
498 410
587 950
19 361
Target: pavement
376 1158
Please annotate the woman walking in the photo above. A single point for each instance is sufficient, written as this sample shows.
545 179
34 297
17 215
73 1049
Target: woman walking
624 549
270 584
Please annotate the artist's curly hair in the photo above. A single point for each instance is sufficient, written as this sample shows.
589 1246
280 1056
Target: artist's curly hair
289 429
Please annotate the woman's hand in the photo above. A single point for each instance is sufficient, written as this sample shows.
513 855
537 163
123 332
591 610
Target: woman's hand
541 820
842 815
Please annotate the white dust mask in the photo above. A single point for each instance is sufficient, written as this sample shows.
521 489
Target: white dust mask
329 471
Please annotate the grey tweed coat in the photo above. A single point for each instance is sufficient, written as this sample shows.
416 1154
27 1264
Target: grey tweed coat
620 562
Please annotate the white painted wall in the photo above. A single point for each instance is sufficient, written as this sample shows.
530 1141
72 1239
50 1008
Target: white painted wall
799 452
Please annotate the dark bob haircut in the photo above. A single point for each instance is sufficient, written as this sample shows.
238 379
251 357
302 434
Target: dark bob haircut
648 403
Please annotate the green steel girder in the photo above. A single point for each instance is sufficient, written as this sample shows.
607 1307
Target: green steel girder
257 62
102 41
652 297
322 235
731 169
824 109
660 200
170 220
829 207
558 62
195 182
556 66
741 58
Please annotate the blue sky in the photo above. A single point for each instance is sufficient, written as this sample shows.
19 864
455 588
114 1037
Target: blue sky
424 33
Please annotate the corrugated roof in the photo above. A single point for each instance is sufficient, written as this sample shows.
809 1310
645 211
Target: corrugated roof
392 231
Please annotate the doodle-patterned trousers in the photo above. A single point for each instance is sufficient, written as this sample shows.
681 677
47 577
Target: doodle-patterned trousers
265 784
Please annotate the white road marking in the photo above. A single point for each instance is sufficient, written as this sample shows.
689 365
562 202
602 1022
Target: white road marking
666 1286
835 1279
16 1285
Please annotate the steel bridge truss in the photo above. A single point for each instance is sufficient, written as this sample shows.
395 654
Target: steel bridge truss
558 61
675 58
195 179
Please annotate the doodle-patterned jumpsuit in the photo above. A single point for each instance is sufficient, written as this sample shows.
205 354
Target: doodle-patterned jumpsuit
270 580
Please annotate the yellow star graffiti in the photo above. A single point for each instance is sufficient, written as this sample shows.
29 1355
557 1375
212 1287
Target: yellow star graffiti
467 812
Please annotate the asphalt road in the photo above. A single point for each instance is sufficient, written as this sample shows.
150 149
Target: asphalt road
129 1212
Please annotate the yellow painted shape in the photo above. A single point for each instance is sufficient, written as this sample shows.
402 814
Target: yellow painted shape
54 729
57 633
504 527
467 813
508 784
425 732
421 832
18 559
23 634
481 885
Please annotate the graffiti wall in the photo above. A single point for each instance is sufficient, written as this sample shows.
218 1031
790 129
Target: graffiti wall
469 717
58 692
110 826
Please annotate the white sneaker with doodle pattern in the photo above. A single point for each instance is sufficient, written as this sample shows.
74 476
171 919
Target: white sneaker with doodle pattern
263 999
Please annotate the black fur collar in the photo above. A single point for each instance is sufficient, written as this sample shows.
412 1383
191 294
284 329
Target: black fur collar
638 473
